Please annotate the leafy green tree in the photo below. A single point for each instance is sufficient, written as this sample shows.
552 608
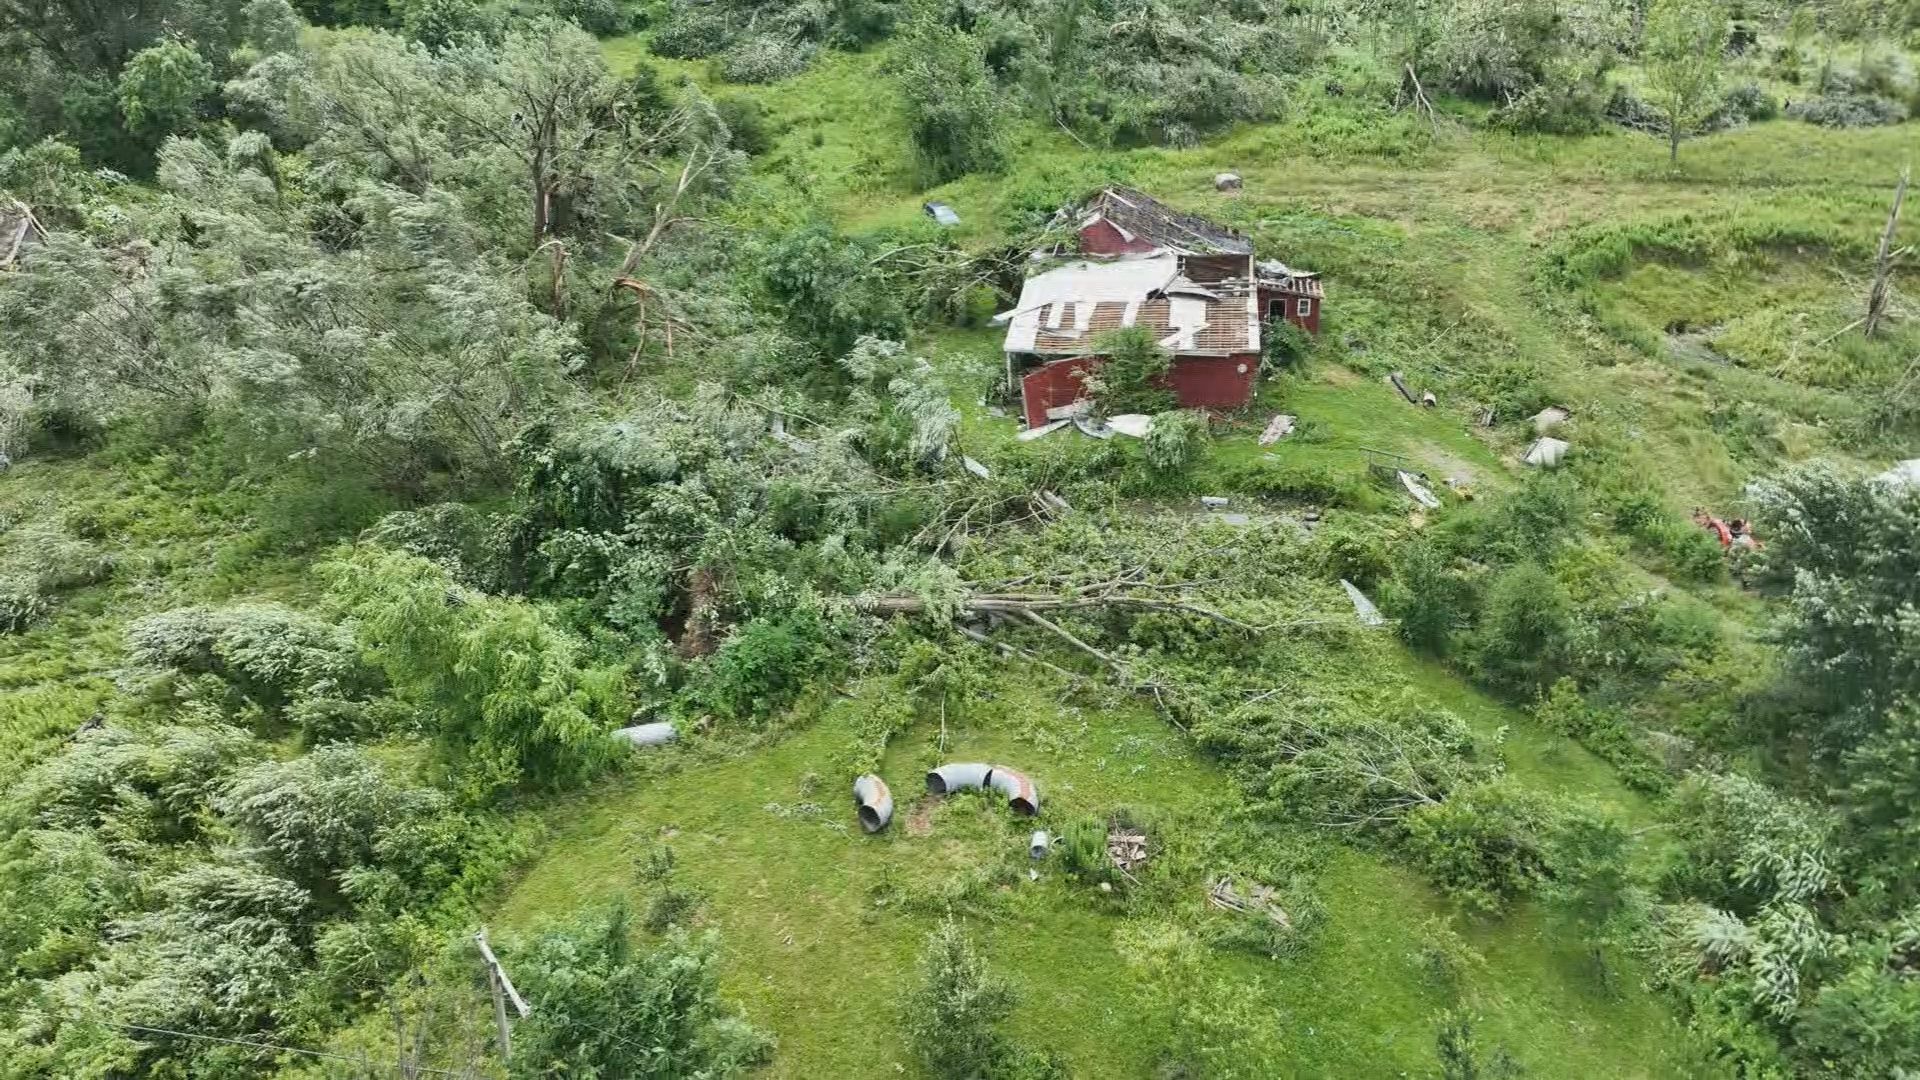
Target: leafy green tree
1131 376
1524 627
509 693
162 89
954 1013
1684 50
602 1007
953 112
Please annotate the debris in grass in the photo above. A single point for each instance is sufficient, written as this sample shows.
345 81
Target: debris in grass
1486 417
1427 400
1226 181
975 467
1421 494
1097 429
1546 452
1399 382
1363 607
1549 418
1257 899
1278 428
1132 425
1126 849
1214 502
1045 429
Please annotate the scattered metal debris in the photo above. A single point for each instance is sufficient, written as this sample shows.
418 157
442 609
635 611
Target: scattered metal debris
976 468
1546 452
1226 181
1427 400
873 802
1420 492
1277 428
1363 607
1039 844
1486 417
1215 502
1047 429
1258 899
1132 425
1097 429
1052 501
942 213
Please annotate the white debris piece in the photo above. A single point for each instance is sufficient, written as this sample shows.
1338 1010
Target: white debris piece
1905 474
1419 491
1132 425
975 467
1278 428
1546 452
657 734
1045 429
1549 418
1092 428
1363 607
1214 502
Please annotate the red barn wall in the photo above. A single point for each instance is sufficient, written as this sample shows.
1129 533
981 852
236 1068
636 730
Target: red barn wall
1309 322
1050 386
1197 382
1214 382
1102 238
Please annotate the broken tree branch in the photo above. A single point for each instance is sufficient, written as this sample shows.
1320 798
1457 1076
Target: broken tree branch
1883 262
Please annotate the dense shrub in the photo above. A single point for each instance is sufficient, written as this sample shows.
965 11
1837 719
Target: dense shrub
764 665
953 1014
269 652
596 997
38 561
1848 111
763 60
601 18
690 31
952 109
1175 438
1487 844
1524 630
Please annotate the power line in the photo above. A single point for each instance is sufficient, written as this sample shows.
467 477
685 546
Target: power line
262 1045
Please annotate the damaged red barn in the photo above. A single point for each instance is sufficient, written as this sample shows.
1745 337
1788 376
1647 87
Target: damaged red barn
1194 283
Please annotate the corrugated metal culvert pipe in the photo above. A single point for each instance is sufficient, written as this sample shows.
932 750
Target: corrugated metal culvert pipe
873 802
1021 793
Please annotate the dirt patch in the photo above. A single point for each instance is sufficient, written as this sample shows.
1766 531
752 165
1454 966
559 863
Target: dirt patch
1442 465
920 818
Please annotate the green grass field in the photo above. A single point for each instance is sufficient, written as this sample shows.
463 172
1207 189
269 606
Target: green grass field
1433 249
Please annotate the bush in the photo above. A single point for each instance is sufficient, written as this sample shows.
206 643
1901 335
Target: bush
1428 600
746 121
763 666
1082 850
271 653
1132 377
601 18
690 32
953 112
1485 844
596 998
38 562
764 60
953 1016
1524 629
1848 111
1175 438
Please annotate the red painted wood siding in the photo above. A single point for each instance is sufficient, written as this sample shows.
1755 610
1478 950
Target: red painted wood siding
1101 238
1050 386
1197 382
1213 382
1309 322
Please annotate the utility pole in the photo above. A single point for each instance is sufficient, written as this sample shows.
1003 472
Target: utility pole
503 990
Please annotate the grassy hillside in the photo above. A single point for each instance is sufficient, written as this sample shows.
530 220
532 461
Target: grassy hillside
532 514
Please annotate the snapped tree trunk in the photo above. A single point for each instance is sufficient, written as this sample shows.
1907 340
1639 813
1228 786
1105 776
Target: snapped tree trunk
1883 262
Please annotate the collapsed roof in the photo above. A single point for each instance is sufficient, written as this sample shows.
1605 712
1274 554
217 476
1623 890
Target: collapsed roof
1190 303
1141 216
